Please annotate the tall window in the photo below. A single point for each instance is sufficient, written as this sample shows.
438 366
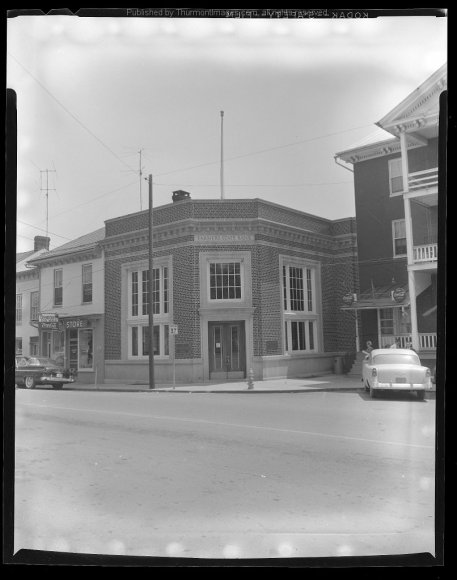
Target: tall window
395 176
86 352
300 308
298 289
139 297
138 308
18 345
87 283
399 237
58 287
34 306
18 308
225 281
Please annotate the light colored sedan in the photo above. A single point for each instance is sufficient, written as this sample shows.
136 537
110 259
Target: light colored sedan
395 369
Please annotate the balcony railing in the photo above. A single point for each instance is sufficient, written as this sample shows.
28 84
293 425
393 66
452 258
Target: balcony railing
423 179
425 253
427 340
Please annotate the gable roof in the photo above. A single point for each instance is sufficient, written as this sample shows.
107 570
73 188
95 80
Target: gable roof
82 243
419 108
417 115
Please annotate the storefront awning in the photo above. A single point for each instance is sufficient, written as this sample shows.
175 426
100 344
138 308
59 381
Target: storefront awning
393 296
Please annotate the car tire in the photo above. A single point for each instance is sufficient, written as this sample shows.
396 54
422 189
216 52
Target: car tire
372 393
59 386
29 382
421 395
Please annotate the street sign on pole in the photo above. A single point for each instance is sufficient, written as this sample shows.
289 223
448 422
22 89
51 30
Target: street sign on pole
173 333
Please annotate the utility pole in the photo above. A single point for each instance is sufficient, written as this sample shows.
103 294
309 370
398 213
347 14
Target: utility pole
47 189
222 154
151 320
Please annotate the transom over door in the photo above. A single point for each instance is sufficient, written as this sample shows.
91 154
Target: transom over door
227 350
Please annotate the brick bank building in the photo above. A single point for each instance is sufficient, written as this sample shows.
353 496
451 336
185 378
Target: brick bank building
248 283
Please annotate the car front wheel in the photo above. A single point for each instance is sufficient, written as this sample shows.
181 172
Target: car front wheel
372 392
59 386
29 382
421 395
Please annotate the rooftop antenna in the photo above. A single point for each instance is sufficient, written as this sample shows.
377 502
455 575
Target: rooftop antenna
222 154
47 189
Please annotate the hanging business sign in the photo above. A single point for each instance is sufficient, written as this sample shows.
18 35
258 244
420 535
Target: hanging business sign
399 294
48 321
348 298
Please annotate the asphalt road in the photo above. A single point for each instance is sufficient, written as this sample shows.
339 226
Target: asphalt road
224 475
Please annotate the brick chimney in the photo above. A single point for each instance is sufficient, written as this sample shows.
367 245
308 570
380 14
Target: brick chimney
41 243
180 195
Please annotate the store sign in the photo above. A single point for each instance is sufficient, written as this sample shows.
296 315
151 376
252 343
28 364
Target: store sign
71 323
48 321
399 294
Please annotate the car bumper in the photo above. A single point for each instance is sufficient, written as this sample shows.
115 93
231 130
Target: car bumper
56 380
402 386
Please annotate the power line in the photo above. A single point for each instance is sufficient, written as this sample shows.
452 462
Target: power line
254 184
259 151
72 115
41 229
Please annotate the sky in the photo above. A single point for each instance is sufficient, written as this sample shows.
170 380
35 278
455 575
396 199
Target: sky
98 98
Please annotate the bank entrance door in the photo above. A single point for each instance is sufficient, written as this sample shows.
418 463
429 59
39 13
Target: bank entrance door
227 350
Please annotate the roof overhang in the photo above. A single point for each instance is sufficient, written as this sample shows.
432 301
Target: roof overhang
373 150
394 296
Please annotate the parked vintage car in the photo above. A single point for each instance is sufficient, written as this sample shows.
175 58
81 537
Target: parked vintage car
397 369
32 371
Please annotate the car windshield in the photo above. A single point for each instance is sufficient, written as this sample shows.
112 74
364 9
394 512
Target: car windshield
396 359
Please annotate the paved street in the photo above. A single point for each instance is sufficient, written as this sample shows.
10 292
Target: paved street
226 475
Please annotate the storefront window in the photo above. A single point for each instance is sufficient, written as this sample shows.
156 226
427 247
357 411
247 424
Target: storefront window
58 347
85 349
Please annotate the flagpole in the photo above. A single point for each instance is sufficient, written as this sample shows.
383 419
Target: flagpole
222 154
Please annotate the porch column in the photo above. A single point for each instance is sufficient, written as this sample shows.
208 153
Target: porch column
413 310
409 230
404 159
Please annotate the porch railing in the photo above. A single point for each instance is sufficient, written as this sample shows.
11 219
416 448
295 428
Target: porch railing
423 179
425 253
427 340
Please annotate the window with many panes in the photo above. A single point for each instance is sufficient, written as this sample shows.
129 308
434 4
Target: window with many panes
225 281
395 176
138 311
87 283
139 291
18 308
58 287
399 237
300 307
34 306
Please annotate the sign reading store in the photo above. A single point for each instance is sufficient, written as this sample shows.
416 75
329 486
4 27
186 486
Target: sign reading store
73 323
51 321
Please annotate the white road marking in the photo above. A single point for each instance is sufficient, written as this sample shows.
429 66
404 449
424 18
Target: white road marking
235 425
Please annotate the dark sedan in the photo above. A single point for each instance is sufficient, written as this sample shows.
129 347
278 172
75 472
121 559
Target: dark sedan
32 371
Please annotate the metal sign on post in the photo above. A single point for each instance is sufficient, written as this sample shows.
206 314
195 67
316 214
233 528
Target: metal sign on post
173 333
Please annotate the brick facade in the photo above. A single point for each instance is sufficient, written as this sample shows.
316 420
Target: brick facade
264 233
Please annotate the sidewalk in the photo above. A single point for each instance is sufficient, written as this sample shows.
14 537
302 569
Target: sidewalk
309 384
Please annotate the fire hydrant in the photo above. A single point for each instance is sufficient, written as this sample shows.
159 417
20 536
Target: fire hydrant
250 379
